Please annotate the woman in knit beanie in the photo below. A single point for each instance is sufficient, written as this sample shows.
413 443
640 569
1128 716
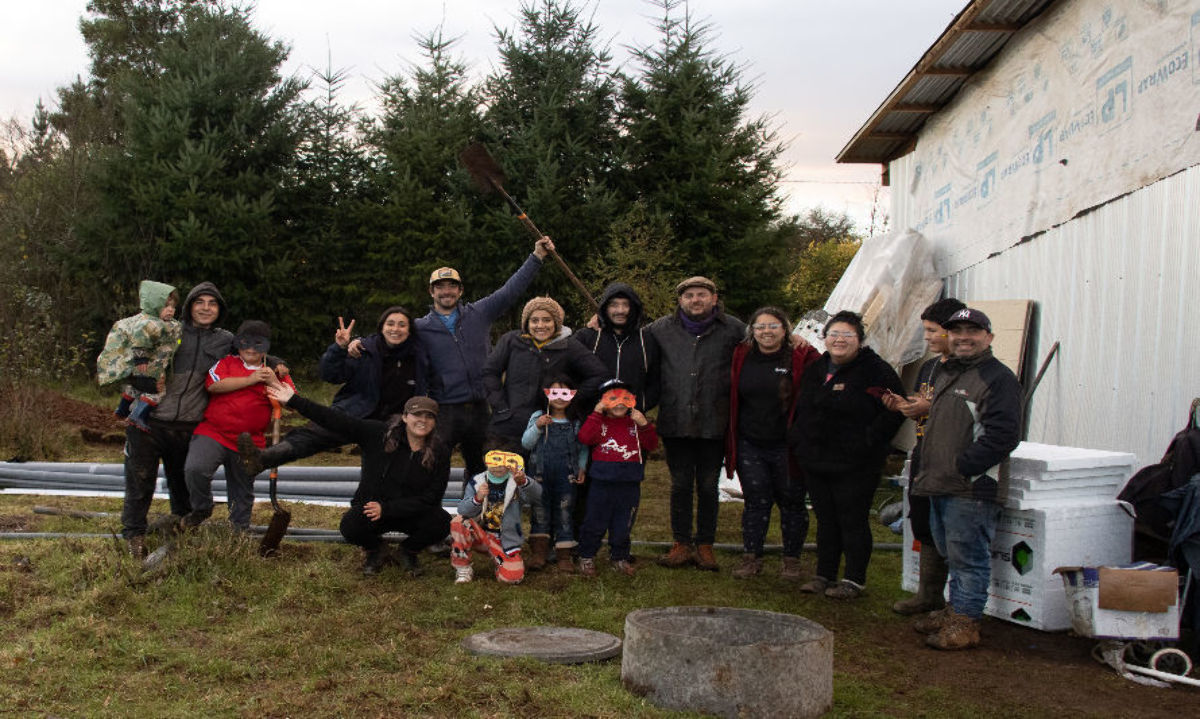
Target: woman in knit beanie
544 304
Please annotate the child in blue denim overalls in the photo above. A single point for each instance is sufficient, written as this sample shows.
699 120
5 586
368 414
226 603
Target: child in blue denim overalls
558 461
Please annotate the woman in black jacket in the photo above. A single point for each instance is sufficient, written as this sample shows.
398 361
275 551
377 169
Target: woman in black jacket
840 435
514 372
404 476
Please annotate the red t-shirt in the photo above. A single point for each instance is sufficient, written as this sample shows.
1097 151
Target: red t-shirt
230 413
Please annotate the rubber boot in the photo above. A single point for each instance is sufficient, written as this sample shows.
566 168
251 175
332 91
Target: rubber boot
539 549
255 460
563 563
931 589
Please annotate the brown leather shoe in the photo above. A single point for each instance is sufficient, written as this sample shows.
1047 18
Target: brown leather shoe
622 566
705 559
749 567
539 549
958 632
680 555
789 570
563 561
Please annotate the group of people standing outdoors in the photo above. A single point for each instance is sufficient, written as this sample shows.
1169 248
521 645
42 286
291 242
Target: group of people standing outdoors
558 421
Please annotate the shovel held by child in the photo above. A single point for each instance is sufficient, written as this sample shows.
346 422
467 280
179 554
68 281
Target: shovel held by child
281 517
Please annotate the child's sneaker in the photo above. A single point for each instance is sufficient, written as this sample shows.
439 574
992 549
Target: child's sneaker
462 575
622 566
587 566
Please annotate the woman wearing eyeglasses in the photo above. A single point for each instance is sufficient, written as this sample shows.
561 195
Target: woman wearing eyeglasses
840 434
764 379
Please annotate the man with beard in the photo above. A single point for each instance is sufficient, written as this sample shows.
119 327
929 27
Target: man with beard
696 345
624 346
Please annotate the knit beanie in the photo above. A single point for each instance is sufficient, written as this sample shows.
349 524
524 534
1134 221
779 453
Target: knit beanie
542 303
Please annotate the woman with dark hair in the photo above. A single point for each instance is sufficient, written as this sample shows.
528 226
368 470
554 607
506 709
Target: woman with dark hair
404 476
764 379
388 369
840 435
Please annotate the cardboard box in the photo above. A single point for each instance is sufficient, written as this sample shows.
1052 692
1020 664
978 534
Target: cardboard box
1130 602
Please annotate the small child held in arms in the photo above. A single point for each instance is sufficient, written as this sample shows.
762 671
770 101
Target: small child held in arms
619 435
489 518
237 403
140 347
557 461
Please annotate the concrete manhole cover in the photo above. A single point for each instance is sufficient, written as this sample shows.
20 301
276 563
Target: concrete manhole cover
557 645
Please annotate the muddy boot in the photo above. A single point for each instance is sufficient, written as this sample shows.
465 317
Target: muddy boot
749 567
137 547
255 460
789 570
562 557
930 594
587 566
407 560
705 559
958 632
539 549
373 560
932 622
680 555
622 566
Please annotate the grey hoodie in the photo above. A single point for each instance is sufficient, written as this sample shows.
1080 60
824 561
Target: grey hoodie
186 397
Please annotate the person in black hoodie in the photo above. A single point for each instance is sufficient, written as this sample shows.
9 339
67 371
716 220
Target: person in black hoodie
623 345
389 369
840 435
405 471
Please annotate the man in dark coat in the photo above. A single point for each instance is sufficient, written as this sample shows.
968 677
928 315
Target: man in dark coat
624 346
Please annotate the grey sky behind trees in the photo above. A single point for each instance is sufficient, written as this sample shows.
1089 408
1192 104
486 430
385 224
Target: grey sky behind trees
819 68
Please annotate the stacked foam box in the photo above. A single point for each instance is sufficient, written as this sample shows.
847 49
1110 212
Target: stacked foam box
1061 511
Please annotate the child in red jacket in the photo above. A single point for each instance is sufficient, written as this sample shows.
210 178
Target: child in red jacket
619 435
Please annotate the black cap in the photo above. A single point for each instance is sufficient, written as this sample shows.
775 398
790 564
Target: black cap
971 317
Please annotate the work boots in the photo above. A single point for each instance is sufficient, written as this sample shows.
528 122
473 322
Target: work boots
931 590
539 549
932 622
680 555
137 547
373 560
958 631
789 570
255 460
587 566
562 557
705 559
749 567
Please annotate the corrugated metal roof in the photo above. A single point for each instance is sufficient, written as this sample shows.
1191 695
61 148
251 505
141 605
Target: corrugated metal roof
965 47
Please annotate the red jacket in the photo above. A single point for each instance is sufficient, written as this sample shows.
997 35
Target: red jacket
802 357
617 439
244 410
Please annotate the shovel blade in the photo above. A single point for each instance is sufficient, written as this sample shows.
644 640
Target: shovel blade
269 546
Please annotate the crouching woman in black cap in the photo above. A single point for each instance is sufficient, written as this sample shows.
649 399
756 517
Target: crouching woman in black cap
404 476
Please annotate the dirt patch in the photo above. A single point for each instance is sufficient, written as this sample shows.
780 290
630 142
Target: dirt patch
96 425
13 523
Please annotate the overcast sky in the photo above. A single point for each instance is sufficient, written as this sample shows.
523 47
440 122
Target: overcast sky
820 67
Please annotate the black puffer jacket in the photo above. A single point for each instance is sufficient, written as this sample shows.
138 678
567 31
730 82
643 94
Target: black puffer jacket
516 368
841 425
694 376
631 356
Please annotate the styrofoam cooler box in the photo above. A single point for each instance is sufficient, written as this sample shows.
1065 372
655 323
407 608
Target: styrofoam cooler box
1032 459
1137 601
1031 543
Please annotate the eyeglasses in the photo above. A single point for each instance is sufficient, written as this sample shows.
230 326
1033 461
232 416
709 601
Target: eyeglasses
767 326
840 335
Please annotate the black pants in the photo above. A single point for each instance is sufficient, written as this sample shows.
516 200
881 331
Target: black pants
613 510
303 442
842 503
143 450
465 426
426 526
695 466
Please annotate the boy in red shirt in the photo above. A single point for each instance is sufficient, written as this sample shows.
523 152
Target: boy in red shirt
237 403
618 434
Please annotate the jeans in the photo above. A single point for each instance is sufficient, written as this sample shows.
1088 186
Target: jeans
552 515
842 503
963 530
763 472
695 466
143 450
465 425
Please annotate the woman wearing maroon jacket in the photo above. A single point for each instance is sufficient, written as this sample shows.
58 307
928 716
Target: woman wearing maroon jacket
765 374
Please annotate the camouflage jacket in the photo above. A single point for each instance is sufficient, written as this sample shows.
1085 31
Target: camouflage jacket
143 337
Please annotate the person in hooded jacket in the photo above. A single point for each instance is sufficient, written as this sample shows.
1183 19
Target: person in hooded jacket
389 370
622 343
841 433
515 371
181 408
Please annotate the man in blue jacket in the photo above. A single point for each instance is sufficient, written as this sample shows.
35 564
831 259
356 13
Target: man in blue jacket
974 424
457 338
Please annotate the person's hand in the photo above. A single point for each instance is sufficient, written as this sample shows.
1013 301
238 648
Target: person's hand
915 407
893 401
638 418
599 408
481 492
543 247
799 341
355 349
263 375
543 421
579 478
281 370
373 510
281 393
343 333
519 476
594 322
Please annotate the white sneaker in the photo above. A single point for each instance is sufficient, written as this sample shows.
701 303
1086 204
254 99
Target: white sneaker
462 575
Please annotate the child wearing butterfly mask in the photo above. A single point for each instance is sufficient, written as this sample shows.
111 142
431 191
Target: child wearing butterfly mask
557 460
619 436
489 518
